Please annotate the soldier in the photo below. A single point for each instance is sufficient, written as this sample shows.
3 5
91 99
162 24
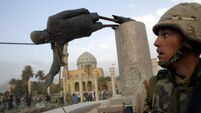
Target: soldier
177 88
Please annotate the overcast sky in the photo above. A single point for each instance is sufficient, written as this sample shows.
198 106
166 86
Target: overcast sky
20 17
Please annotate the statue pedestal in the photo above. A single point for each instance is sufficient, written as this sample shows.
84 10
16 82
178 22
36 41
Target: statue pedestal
133 56
116 104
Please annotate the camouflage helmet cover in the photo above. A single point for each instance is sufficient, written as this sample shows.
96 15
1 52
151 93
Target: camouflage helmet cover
185 17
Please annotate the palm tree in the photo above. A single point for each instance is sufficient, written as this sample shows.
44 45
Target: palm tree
12 84
19 88
12 81
27 73
40 75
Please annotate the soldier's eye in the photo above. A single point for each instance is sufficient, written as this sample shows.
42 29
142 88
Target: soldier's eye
165 35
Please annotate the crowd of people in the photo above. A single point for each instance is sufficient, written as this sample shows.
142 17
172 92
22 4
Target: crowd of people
9 101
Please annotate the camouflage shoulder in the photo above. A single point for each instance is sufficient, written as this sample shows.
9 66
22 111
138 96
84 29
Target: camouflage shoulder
161 74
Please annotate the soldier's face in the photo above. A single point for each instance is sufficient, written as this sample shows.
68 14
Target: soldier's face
167 43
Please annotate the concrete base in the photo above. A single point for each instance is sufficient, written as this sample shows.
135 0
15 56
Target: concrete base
112 105
77 108
115 104
110 109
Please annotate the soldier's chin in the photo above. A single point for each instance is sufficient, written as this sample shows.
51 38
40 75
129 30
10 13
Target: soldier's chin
164 64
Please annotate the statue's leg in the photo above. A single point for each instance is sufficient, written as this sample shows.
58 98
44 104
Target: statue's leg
55 68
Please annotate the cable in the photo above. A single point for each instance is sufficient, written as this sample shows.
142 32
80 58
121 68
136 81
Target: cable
16 43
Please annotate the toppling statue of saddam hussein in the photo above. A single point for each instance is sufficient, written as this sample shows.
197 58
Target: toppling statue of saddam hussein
66 26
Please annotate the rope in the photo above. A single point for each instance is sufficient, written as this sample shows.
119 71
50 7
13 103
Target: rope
58 52
15 43
59 93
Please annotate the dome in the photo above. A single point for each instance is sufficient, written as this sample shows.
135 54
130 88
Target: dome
86 59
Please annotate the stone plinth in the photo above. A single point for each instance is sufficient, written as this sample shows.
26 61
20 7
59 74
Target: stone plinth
111 109
115 104
133 56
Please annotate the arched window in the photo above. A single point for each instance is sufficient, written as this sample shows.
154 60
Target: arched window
76 86
89 86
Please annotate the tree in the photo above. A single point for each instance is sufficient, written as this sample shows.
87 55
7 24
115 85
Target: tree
19 90
12 81
38 86
27 73
55 88
40 75
108 78
102 83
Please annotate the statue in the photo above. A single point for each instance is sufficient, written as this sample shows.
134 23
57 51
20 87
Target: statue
65 27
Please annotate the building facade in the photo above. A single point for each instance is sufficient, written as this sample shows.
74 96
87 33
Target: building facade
84 79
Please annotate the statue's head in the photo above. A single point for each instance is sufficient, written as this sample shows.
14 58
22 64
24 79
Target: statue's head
40 37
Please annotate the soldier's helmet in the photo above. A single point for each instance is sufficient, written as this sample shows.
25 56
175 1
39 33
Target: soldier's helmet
186 17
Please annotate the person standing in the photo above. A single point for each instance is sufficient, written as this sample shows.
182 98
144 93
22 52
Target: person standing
5 101
10 102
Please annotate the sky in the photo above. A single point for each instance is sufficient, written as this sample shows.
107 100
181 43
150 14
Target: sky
20 17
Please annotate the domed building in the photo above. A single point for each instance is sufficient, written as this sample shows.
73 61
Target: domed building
86 59
84 79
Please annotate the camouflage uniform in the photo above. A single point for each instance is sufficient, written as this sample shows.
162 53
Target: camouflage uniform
171 96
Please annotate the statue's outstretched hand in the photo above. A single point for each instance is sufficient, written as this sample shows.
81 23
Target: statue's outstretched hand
68 25
121 19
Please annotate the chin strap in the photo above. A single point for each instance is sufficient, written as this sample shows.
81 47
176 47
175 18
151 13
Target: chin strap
173 59
177 55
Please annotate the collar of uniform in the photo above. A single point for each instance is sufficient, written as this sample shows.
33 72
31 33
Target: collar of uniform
196 75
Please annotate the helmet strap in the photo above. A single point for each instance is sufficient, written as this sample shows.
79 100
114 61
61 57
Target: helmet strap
177 55
173 59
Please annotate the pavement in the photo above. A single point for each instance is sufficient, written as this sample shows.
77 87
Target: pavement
84 107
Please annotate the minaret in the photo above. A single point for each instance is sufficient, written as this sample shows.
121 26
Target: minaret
112 74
